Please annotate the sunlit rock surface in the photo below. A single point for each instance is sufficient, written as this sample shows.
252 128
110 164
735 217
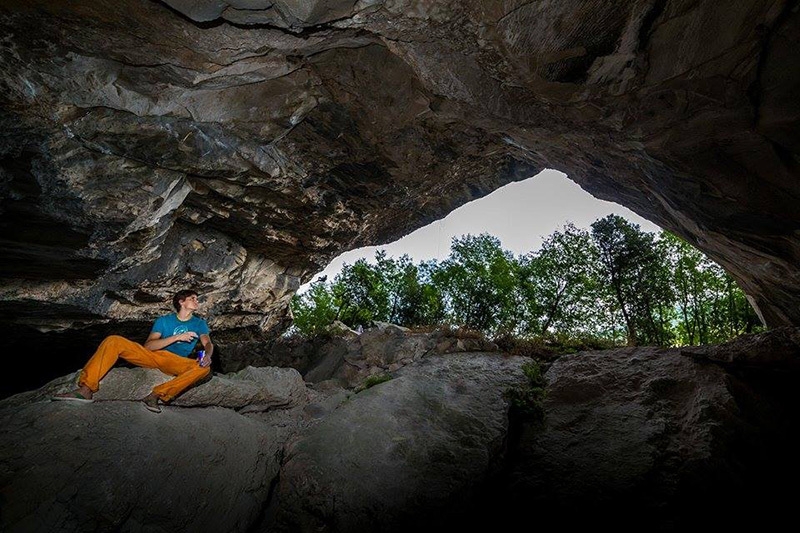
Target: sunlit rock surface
253 388
237 145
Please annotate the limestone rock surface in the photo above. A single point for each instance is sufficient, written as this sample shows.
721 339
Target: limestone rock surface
252 388
418 444
651 436
631 438
114 466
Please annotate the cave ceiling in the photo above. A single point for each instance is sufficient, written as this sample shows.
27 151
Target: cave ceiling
236 146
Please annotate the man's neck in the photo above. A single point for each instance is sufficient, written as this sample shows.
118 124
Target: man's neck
184 315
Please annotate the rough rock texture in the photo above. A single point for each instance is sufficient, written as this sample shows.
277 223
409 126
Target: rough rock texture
114 466
238 145
420 443
349 357
778 349
632 439
208 462
250 388
650 436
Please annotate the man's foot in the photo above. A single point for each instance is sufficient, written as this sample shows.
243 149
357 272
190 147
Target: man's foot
81 394
151 403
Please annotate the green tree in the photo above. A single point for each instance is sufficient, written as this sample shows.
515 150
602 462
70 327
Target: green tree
616 283
413 299
314 310
711 307
361 293
478 281
634 269
559 285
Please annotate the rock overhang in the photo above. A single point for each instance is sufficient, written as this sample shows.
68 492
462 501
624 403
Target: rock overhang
236 146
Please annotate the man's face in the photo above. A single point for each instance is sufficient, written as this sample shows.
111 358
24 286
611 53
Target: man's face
190 303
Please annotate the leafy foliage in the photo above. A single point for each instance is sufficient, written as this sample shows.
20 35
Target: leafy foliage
710 306
477 283
581 290
413 299
558 285
527 398
314 311
636 277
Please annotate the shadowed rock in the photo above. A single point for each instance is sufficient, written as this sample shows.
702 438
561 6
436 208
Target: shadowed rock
421 442
111 466
778 349
348 357
631 438
650 436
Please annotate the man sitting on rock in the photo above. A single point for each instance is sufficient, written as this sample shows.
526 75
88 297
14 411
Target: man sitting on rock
167 348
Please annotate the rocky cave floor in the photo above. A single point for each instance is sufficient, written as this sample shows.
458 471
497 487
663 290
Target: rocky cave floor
631 437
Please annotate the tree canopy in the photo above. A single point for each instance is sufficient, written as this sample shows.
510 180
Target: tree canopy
614 282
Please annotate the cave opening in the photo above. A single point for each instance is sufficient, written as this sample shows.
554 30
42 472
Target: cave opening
521 214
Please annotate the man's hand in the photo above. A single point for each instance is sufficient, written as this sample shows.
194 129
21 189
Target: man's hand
205 340
189 336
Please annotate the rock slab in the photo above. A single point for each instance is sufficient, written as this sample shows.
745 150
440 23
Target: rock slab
114 466
251 388
419 443
651 436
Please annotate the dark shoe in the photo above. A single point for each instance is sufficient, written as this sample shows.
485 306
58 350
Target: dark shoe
151 404
73 396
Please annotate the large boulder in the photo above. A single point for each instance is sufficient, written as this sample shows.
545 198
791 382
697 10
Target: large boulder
420 443
652 436
254 388
206 463
114 466
631 438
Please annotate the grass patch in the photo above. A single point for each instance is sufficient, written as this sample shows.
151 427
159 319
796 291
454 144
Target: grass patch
527 399
373 380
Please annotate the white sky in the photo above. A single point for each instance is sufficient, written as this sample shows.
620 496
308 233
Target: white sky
520 214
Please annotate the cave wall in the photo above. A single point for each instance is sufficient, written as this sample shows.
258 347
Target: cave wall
236 146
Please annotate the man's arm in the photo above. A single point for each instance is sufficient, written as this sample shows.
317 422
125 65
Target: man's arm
154 342
205 340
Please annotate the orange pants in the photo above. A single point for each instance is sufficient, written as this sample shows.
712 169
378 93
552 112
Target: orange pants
186 369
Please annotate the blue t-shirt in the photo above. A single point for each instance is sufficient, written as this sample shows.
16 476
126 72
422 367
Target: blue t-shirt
169 325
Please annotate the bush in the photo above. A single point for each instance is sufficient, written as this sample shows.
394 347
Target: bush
550 347
534 347
526 399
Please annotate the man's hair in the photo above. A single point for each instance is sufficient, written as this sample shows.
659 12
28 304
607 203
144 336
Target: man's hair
182 295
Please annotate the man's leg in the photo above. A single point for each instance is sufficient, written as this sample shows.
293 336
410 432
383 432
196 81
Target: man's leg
111 349
186 370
